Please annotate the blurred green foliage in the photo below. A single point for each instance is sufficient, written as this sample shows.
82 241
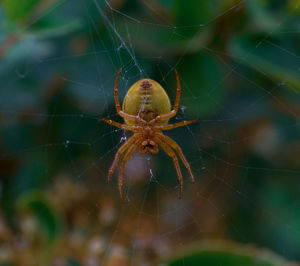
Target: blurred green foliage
239 64
18 9
227 254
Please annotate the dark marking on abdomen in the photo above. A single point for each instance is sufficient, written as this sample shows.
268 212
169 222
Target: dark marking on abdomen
146 91
146 86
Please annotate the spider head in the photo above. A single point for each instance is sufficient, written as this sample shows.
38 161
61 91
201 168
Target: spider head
148 146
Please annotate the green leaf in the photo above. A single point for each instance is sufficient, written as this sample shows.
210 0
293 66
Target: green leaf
293 7
272 58
191 15
225 254
204 89
47 217
163 40
18 9
18 53
53 27
262 17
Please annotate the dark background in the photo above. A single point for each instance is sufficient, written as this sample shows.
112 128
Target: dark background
240 72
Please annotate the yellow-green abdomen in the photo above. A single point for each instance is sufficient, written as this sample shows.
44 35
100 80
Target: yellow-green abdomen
147 98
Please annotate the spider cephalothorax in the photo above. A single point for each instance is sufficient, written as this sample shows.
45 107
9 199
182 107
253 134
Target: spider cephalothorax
146 110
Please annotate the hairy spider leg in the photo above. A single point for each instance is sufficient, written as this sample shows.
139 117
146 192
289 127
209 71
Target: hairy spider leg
172 126
178 93
126 157
124 115
172 154
176 103
177 148
120 151
123 126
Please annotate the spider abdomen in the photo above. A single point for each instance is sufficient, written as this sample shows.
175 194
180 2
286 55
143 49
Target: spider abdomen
148 99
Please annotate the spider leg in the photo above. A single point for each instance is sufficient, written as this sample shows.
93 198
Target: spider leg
118 106
176 103
172 154
177 148
126 157
178 92
120 151
172 126
123 126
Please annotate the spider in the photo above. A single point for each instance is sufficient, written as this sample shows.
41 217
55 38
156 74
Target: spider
146 110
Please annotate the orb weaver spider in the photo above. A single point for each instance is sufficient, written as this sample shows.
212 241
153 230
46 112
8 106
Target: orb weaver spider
146 110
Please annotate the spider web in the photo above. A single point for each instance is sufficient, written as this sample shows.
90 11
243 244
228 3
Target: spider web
257 121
